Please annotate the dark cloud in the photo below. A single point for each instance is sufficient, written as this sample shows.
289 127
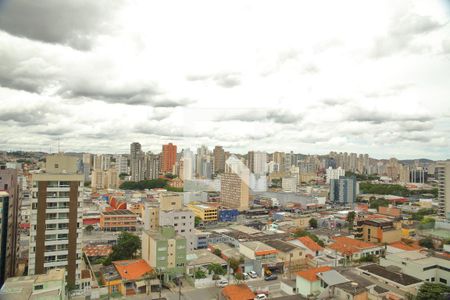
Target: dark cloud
378 117
258 115
70 22
401 34
226 80
27 116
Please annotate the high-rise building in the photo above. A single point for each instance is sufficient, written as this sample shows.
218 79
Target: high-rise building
121 164
136 162
334 174
257 162
152 165
10 218
289 184
187 161
56 218
168 157
234 185
343 190
442 172
219 159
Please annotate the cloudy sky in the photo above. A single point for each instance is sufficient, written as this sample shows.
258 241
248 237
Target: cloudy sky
308 76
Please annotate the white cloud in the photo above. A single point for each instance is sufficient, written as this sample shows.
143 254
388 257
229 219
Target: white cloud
365 77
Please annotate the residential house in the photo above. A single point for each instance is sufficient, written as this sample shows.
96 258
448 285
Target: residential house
292 256
134 275
237 292
312 248
118 220
351 249
381 231
307 281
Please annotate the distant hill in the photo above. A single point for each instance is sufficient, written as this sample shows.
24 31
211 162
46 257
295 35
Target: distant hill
421 160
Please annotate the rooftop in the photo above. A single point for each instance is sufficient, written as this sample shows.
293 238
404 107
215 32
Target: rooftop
259 248
332 277
118 212
203 257
97 250
403 246
348 245
132 269
397 277
310 244
109 273
311 274
351 287
238 292
281 245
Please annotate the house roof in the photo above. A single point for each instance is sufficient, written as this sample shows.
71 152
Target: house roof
403 246
348 245
238 292
310 244
259 248
281 245
332 277
132 269
397 277
118 212
311 274
97 250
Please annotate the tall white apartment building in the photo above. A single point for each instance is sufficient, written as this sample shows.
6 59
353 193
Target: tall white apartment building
334 174
442 172
121 164
56 219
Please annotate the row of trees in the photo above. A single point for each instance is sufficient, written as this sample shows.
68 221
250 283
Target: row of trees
144 184
383 189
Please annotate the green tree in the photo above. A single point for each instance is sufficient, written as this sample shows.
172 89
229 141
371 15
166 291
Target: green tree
378 202
418 216
123 175
216 269
200 274
89 229
351 219
427 243
197 221
170 175
433 291
301 232
368 258
127 247
313 223
218 252
234 264
239 277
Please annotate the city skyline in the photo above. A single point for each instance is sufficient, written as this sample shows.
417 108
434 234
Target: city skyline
371 79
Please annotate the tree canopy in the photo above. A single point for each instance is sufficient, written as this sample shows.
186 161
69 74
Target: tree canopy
126 248
313 223
301 232
144 184
433 291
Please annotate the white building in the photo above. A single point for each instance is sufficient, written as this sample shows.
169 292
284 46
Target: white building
121 164
56 218
414 263
334 174
289 184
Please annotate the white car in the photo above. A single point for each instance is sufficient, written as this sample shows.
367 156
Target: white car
222 283
260 297
252 274
245 276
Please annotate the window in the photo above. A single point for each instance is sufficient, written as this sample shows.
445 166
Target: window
39 287
442 280
56 166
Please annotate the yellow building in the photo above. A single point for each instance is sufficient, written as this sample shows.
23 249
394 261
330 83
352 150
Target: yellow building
381 231
204 212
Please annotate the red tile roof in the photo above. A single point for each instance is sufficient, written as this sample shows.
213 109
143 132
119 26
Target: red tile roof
238 292
403 246
348 245
97 250
132 269
311 274
310 244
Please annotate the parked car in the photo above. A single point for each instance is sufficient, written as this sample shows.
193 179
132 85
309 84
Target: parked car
222 283
246 277
270 277
260 297
252 274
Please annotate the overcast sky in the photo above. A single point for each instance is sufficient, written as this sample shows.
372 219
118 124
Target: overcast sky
308 76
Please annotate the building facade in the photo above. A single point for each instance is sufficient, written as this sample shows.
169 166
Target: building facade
9 252
343 190
165 251
168 157
136 162
56 218
234 192
442 172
